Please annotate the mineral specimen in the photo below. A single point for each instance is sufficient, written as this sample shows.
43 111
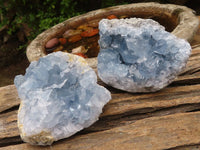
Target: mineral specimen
52 43
74 38
138 55
59 97
90 32
62 41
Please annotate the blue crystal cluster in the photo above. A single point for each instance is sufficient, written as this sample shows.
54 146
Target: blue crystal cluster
59 97
138 55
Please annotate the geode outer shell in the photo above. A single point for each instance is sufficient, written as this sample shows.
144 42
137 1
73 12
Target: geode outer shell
138 55
59 97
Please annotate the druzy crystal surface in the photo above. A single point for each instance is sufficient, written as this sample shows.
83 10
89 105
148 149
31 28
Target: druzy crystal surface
59 97
138 55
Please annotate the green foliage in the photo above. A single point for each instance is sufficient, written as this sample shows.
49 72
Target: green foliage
108 3
38 14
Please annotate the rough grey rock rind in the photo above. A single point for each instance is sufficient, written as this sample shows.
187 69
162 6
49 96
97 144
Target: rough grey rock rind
138 55
59 97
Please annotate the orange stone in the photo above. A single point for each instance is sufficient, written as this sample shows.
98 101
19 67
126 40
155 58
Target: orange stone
74 38
81 54
112 17
90 33
62 41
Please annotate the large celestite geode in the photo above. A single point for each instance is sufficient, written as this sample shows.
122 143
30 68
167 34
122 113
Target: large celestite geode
59 97
138 55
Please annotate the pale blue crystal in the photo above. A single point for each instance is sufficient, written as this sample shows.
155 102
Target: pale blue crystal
59 97
138 55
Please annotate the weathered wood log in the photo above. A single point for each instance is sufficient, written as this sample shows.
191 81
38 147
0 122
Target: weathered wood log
170 100
8 98
152 133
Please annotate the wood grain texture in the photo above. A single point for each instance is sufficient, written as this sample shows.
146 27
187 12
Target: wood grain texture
152 133
8 98
168 119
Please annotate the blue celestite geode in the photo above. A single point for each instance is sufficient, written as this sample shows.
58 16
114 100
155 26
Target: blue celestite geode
59 97
138 55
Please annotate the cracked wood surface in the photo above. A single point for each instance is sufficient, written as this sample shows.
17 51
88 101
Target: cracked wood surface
168 119
152 133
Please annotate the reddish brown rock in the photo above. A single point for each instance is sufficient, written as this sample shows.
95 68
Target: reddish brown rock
81 54
112 17
52 43
90 32
74 38
62 41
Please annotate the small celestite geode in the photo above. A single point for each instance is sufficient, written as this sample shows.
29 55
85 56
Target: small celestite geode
59 97
138 55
